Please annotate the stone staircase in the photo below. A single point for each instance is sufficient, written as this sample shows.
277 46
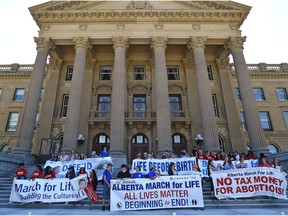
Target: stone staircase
258 202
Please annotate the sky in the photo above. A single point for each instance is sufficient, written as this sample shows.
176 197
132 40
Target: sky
265 28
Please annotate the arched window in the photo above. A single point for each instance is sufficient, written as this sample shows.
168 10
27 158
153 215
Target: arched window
273 149
139 144
221 143
179 143
6 148
101 140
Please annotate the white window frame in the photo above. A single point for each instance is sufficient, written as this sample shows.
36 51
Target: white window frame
12 122
265 121
259 96
139 71
69 73
105 70
21 96
282 96
173 71
210 72
215 105
64 106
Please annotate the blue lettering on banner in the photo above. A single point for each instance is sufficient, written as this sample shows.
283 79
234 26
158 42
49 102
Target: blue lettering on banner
25 189
143 204
179 202
254 163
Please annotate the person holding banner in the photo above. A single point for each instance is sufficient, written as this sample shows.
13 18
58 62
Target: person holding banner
70 173
124 173
227 165
138 174
82 171
21 172
276 164
153 174
49 173
242 164
37 172
172 169
107 176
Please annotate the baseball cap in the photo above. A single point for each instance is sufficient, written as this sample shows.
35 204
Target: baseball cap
109 164
123 165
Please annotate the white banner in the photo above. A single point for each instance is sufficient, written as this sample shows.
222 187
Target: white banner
250 182
183 165
163 192
98 164
250 163
46 190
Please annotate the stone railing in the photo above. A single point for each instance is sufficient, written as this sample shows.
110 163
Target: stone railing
14 68
263 67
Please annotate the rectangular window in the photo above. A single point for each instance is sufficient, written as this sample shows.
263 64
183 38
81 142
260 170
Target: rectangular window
173 73
265 121
36 121
175 106
64 106
237 93
19 94
139 73
69 73
243 121
209 70
259 94
12 121
282 94
139 106
0 92
103 106
286 118
42 94
105 72
215 106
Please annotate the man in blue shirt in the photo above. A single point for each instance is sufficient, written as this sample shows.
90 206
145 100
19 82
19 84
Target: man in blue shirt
107 176
104 152
152 174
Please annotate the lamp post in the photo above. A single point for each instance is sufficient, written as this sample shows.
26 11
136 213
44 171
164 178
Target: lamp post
199 139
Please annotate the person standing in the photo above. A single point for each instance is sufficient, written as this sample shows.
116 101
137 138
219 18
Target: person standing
107 176
172 169
21 172
70 173
49 173
138 173
152 173
104 152
93 183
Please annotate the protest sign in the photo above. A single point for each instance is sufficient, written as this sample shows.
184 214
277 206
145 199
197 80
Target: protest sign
98 164
250 182
46 190
183 165
163 192
250 163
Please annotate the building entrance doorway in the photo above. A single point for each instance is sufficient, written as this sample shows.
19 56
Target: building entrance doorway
139 144
99 141
179 143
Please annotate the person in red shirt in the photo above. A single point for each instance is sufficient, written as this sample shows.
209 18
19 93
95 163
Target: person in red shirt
21 172
200 154
49 173
37 172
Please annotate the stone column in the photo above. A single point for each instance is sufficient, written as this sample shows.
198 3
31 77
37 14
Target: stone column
254 126
48 103
118 98
208 119
71 131
230 106
26 127
159 44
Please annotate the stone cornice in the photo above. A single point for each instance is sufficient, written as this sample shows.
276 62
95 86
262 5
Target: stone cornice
265 74
140 16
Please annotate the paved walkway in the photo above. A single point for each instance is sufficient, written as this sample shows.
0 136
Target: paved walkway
172 212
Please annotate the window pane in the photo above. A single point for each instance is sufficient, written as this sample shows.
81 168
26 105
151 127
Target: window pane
139 106
282 94
242 117
237 93
273 149
64 107
265 120
215 106
286 118
19 94
12 121
259 94
0 92
105 72
103 106
172 73
210 74
69 73
139 72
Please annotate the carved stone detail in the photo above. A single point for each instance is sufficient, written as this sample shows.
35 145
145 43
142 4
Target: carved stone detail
188 63
159 42
139 5
120 42
234 26
44 44
83 27
197 42
90 63
158 26
44 27
223 64
120 26
82 42
235 43
196 26
55 63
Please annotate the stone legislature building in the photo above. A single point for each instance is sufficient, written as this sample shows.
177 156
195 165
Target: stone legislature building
142 76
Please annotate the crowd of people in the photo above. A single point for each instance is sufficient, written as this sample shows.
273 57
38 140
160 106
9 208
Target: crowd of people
226 163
